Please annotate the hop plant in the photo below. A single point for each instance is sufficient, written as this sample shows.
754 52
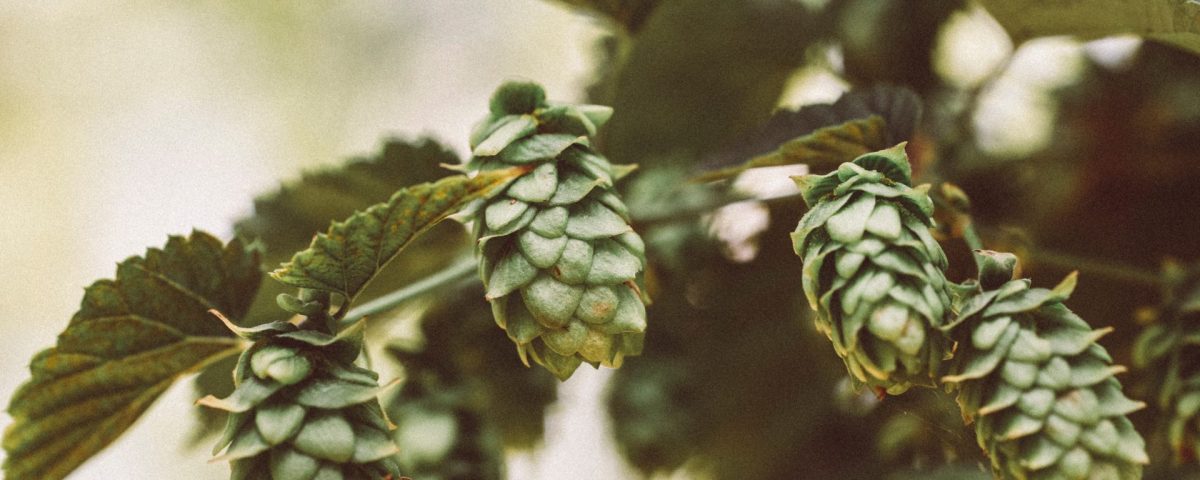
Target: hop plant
872 270
1041 391
558 257
302 409
1169 348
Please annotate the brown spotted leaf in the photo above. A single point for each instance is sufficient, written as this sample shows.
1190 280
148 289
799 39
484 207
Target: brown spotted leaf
130 340
347 256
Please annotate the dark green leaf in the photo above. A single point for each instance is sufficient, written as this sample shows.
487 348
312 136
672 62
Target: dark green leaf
285 220
823 149
900 108
351 252
701 74
130 340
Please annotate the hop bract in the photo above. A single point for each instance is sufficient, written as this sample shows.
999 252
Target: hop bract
873 272
303 410
558 257
1040 389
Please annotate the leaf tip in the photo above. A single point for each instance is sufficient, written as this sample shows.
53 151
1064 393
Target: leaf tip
228 324
1066 286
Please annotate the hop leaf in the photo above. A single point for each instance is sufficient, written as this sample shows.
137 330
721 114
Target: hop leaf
557 255
302 409
872 270
826 135
353 251
1040 390
284 220
829 145
131 339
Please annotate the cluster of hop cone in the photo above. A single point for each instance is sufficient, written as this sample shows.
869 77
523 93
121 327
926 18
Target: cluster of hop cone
562 269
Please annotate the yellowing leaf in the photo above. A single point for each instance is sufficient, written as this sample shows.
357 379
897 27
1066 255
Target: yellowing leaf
1173 22
350 253
130 340
823 149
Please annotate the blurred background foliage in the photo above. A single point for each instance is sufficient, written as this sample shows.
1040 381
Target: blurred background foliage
1075 155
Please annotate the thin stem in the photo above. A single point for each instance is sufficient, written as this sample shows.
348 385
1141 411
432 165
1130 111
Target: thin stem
971 236
460 270
465 267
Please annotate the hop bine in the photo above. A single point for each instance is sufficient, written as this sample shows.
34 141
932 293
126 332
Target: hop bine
558 257
873 272
1041 391
302 409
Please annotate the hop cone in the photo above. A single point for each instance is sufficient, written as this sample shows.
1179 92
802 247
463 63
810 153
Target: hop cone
557 255
1171 349
872 270
302 410
1040 389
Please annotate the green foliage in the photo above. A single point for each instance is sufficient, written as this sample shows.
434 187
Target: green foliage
736 382
132 337
721 83
1172 22
821 150
825 135
302 409
892 42
350 254
558 257
1040 389
873 271
285 220
1169 349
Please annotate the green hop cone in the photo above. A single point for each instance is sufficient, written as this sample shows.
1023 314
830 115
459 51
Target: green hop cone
558 257
1170 351
873 272
1041 391
302 410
